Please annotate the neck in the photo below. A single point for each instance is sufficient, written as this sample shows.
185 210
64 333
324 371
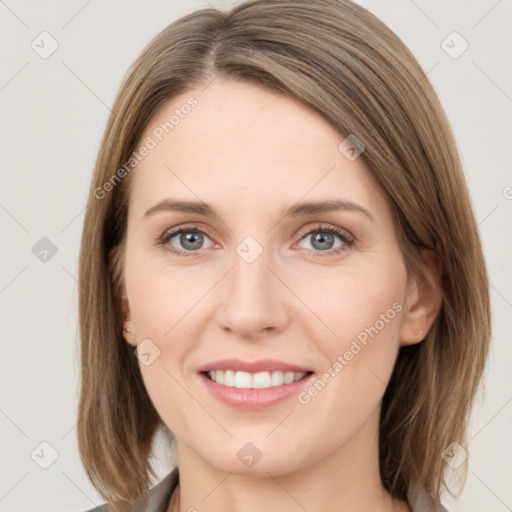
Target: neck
347 479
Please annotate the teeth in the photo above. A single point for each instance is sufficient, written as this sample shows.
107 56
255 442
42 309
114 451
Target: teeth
261 380
243 380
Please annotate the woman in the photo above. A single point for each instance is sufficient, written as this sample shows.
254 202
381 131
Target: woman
279 265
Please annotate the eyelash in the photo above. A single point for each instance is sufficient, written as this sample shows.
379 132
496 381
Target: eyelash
347 239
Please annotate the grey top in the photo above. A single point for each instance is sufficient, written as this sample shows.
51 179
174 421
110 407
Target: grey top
157 499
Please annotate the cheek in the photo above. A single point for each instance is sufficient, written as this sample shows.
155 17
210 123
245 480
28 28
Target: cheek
358 302
162 298
365 311
167 307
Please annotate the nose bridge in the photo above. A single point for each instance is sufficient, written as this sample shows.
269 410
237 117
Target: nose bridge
251 301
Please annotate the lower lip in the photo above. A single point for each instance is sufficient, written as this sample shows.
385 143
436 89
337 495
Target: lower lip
254 399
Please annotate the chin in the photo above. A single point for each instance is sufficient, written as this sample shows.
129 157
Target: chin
246 459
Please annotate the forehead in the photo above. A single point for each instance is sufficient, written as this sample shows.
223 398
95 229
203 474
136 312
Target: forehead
246 144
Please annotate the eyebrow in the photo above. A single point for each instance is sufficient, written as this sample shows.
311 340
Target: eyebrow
296 210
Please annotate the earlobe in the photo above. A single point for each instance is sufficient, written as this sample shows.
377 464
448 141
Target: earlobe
120 294
128 333
423 301
128 329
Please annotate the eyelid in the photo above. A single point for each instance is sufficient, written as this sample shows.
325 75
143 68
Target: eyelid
319 226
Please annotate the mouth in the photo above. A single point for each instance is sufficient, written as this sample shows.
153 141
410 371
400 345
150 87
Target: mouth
254 385
260 380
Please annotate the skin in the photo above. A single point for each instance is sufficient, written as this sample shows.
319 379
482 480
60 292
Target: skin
250 152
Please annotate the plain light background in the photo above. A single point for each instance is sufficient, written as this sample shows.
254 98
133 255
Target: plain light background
53 113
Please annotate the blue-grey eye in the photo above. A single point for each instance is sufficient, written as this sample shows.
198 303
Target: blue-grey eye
324 240
190 240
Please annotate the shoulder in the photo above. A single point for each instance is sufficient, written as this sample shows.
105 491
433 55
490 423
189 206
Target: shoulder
155 500
96 509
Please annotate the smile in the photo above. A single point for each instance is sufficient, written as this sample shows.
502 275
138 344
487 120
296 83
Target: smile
260 380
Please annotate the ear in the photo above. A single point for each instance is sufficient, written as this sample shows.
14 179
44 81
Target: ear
423 300
120 294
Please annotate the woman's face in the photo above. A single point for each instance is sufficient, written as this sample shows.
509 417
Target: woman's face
297 275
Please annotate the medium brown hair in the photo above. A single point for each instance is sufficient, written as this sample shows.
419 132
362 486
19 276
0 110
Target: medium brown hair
340 60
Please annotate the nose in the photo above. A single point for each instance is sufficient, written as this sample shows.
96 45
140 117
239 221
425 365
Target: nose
252 299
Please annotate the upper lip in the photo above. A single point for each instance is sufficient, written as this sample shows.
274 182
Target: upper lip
260 365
